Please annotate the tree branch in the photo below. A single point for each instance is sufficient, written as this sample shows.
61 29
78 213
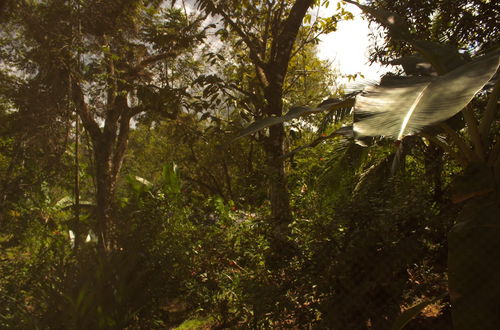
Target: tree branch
314 143
122 142
254 49
155 58
261 75
286 38
85 114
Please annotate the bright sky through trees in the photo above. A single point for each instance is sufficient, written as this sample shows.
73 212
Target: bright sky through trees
348 46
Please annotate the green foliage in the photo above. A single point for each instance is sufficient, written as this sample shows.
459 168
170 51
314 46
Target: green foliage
194 243
462 23
361 247
195 324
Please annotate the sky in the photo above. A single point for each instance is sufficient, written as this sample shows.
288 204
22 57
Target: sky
347 47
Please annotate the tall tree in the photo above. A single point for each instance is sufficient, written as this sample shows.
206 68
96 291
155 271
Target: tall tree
104 57
271 33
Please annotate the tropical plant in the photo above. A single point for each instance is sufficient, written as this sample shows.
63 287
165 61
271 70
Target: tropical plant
472 250
471 246
403 106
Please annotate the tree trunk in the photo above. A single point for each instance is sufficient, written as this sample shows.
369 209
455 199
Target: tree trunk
474 254
110 144
281 215
280 203
104 199
433 164
109 155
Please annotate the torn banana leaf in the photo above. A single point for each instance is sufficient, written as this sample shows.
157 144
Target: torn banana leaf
296 112
404 106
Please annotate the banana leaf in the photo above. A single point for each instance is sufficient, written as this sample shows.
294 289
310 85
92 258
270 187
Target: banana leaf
296 112
405 105
345 131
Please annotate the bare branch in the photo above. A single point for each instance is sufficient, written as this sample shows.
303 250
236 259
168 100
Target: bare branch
251 44
85 114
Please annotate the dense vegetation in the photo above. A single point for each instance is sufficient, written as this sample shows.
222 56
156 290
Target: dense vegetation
195 165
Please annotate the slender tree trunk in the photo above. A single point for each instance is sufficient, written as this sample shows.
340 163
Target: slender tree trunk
274 147
275 72
433 163
78 227
104 199
271 56
109 145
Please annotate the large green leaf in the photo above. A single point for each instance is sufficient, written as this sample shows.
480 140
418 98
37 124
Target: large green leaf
296 112
404 106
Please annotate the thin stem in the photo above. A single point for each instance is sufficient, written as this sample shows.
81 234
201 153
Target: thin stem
77 168
460 142
447 148
473 130
489 114
495 151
